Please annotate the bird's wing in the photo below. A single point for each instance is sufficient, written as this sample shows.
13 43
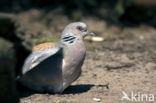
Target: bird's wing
38 56
44 46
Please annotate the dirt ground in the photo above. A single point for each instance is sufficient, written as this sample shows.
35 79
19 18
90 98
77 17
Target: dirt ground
124 61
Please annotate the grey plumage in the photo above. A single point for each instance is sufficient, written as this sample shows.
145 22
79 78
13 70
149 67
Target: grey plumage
54 69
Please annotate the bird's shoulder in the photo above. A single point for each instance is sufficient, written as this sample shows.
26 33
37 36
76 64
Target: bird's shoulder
39 54
45 46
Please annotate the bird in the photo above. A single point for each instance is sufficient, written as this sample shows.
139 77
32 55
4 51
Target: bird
52 67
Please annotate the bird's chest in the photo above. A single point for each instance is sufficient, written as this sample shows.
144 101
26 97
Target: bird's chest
74 54
73 60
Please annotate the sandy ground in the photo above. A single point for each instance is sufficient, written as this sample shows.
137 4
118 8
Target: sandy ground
124 61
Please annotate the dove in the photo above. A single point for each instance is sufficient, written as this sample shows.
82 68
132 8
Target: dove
52 67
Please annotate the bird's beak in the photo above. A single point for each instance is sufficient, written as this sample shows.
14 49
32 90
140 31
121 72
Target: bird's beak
89 34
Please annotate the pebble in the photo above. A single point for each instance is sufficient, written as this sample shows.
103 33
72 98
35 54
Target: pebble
97 99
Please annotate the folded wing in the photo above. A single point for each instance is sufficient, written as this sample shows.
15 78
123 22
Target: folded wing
37 57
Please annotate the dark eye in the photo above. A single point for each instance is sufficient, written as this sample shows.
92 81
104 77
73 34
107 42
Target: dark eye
80 28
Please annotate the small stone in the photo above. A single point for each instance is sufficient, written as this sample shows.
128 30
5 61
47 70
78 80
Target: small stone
97 99
95 38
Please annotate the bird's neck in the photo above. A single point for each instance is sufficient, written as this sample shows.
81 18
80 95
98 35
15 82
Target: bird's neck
74 49
70 39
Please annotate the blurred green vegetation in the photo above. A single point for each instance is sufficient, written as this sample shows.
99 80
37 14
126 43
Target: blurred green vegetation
76 4
43 39
127 11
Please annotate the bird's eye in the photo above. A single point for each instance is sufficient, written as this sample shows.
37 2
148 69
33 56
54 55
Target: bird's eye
79 28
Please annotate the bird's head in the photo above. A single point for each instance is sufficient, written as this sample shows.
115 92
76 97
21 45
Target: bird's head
75 30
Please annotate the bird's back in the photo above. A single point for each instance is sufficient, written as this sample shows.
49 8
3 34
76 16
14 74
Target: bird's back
45 46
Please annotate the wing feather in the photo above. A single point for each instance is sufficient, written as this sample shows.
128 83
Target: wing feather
37 57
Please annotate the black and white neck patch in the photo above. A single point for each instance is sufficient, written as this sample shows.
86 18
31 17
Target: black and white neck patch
68 39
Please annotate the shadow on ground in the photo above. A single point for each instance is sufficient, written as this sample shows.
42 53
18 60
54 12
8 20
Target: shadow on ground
74 89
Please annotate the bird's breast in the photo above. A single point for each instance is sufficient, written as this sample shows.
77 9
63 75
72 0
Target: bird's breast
72 62
74 54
